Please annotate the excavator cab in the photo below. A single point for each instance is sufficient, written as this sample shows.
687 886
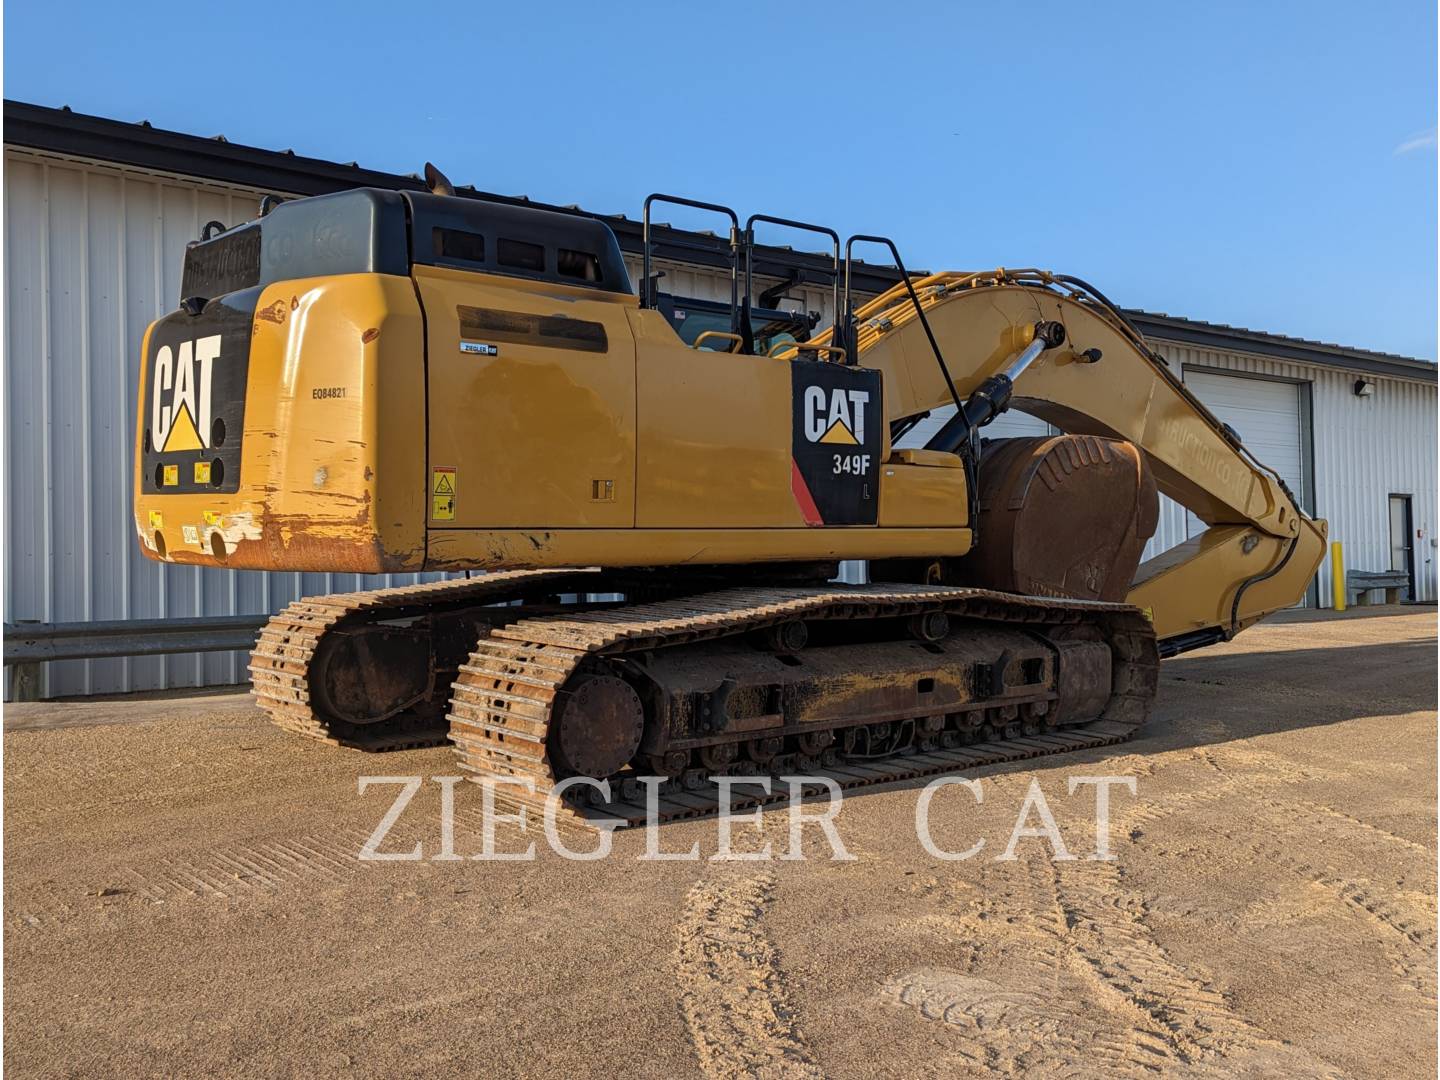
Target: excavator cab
773 327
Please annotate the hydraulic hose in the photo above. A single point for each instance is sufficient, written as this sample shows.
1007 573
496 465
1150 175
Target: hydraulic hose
1266 576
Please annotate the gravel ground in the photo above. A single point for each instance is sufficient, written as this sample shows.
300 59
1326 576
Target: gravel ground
183 897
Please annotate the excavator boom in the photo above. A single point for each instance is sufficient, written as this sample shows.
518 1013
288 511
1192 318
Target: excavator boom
1259 551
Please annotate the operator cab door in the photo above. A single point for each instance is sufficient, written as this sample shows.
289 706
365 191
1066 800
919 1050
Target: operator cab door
531 403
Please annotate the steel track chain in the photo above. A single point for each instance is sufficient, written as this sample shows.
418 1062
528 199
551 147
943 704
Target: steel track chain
502 700
286 647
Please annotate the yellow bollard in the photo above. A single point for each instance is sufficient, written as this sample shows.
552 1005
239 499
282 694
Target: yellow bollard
1337 574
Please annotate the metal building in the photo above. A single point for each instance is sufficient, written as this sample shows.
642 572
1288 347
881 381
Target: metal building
97 215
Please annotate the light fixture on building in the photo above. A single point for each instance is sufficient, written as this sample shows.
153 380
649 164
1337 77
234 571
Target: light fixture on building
1364 388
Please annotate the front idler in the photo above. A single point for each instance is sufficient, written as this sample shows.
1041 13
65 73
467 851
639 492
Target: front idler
598 728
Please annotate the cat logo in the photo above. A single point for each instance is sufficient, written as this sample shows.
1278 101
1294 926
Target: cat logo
180 395
837 418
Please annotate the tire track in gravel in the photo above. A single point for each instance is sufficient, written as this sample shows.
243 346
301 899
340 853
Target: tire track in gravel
732 991
1404 921
1275 771
1034 1022
1406 928
1109 936
1074 983
222 872
1331 817
233 870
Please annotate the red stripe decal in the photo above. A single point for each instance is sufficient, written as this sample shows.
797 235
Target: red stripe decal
808 510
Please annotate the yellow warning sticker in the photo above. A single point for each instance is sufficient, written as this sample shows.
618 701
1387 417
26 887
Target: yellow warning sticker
212 517
202 472
157 519
442 493
1149 613
171 476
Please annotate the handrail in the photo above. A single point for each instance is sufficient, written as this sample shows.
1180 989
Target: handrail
647 293
734 338
33 643
847 326
788 223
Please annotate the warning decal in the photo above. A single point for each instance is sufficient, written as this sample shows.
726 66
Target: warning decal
836 441
442 493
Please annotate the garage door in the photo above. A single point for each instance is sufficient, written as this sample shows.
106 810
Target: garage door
1267 416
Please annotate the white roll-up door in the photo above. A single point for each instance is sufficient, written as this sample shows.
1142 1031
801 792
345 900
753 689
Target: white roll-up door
1266 414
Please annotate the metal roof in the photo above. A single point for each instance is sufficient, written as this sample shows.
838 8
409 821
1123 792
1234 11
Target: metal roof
62 131
1278 346
142 145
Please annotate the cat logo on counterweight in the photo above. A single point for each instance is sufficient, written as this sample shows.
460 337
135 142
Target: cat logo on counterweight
180 395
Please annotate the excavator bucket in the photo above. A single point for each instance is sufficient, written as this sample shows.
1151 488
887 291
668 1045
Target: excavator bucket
1064 516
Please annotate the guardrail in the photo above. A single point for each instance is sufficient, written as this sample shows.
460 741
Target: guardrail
27 644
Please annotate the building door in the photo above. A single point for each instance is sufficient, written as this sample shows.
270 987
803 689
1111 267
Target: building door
1267 414
1402 540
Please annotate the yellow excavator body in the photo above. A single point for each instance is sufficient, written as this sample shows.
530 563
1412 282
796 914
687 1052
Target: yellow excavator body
384 383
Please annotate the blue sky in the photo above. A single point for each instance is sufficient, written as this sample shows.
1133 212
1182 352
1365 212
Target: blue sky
1270 165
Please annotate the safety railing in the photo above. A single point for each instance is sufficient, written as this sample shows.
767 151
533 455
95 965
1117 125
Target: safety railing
749 236
648 291
30 644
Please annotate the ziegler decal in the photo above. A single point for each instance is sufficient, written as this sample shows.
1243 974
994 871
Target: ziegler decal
836 422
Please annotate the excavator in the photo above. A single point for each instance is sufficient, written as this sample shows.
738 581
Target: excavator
642 527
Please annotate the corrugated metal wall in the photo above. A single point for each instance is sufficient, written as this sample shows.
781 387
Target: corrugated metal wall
93 254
